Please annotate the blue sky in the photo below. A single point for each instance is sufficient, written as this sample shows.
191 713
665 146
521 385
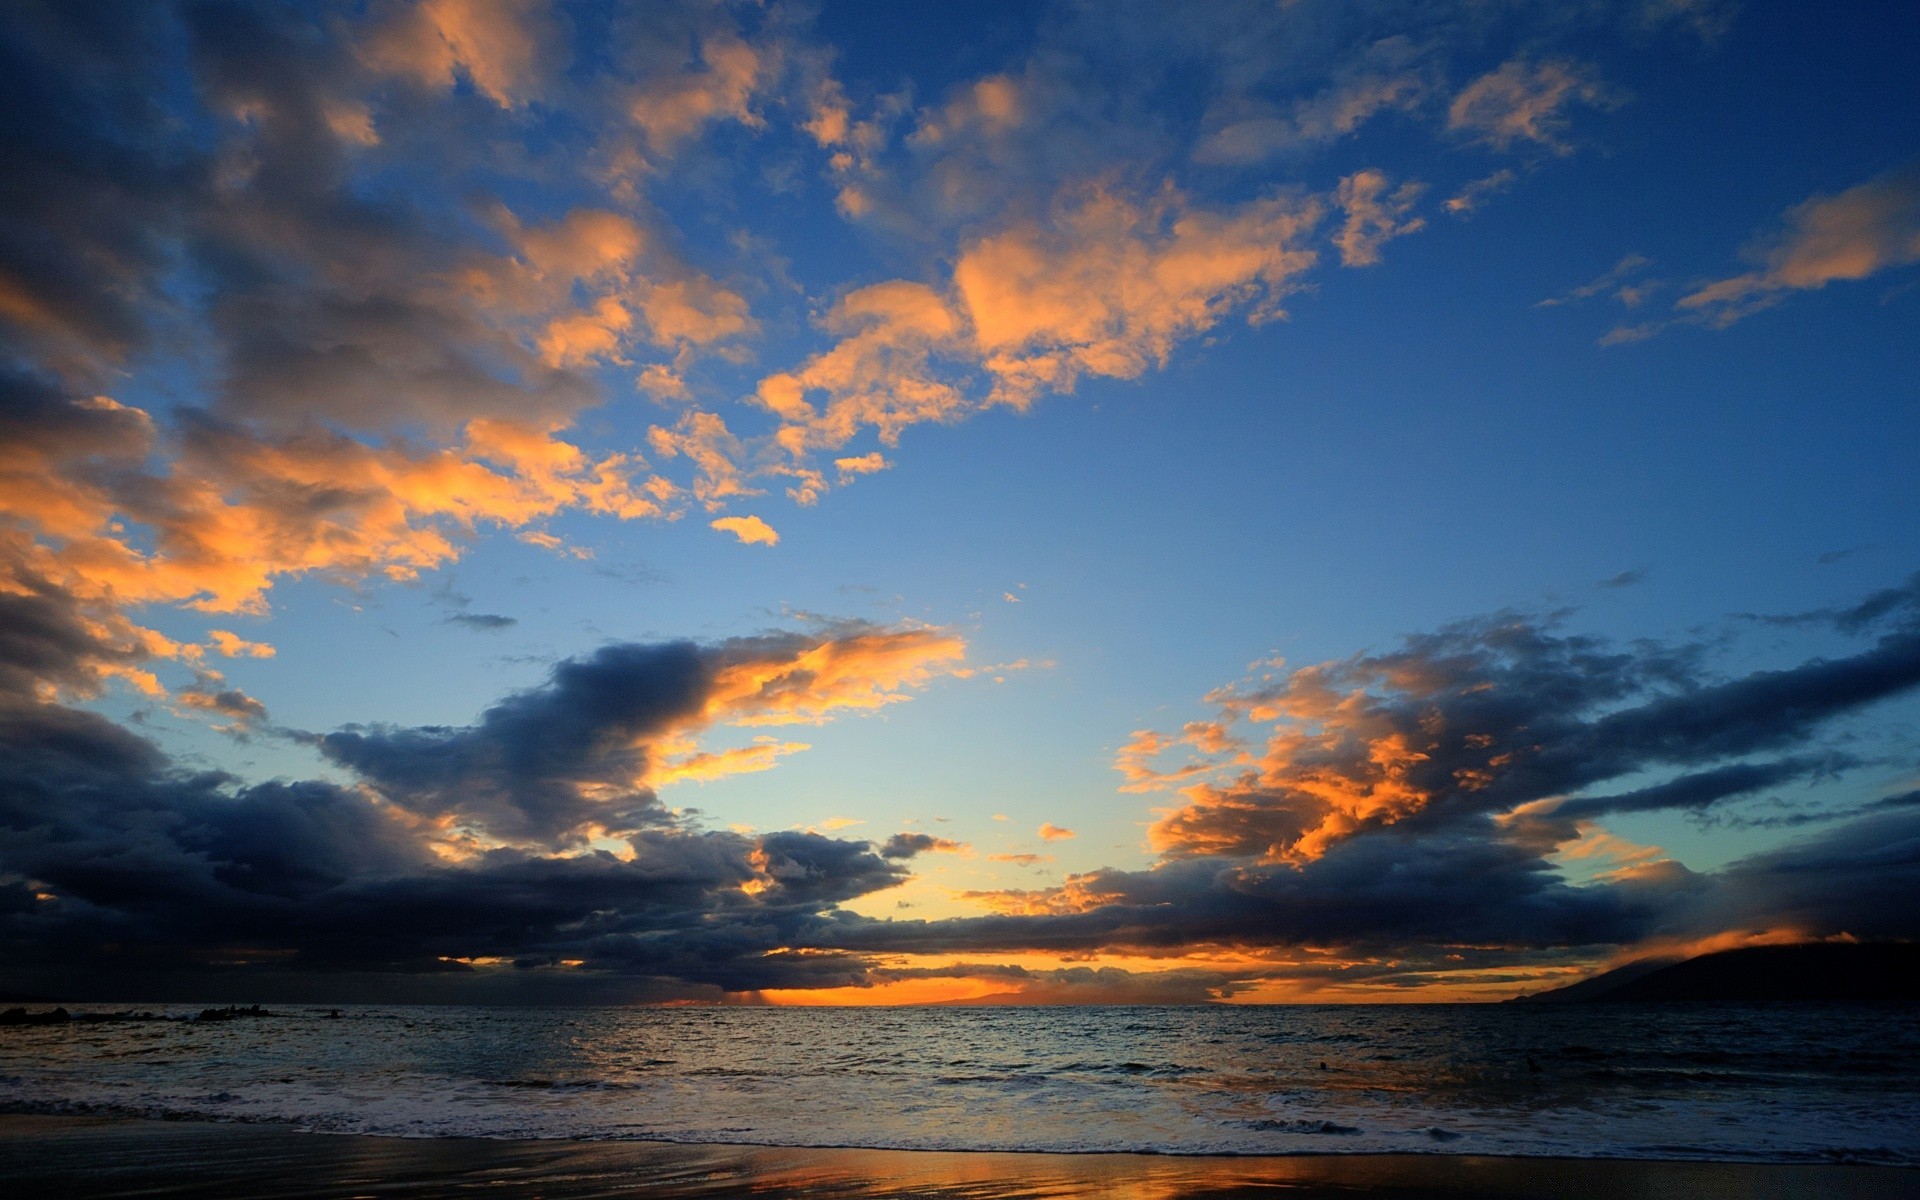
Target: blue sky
1597 316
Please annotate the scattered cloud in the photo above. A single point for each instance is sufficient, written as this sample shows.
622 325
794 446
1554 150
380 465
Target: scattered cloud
1526 102
1387 78
498 45
751 530
1476 192
908 845
1617 279
1624 579
482 622
1867 229
1374 215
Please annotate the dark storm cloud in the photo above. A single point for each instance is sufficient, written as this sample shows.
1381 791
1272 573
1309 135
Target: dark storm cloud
97 178
1703 788
1488 716
1387 890
45 638
1860 878
1420 899
543 764
520 770
114 859
1465 760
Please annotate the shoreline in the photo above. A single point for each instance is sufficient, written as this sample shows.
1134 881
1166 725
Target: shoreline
106 1157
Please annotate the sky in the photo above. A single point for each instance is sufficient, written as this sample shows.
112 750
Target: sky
529 501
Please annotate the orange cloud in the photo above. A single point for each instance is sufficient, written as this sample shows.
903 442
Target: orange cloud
705 766
876 376
1055 833
860 670
672 106
989 106
234 646
1869 228
1335 761
497 44
233 512
1108 285
717 456
1373 215
751 531
1078 894
634 288
864 464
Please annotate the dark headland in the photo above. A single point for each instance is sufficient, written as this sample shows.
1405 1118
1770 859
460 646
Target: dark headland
1823 972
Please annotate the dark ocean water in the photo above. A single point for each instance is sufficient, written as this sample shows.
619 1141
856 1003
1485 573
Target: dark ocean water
1743 1083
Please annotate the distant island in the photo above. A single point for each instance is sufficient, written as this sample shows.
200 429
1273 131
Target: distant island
1815 971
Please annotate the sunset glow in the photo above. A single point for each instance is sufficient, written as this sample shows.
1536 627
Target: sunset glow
773 504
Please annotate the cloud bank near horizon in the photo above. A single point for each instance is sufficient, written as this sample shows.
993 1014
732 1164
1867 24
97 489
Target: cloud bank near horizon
1419 816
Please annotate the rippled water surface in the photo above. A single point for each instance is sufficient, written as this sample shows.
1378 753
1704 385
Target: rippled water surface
1681 1081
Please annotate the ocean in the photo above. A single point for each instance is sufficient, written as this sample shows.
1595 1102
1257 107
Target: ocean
1754 1083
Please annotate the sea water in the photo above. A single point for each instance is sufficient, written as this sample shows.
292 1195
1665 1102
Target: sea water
1739 1083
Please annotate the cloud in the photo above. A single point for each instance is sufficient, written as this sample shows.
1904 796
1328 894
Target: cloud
1624 579
1387 78
205 875
1105 285
1435 794
1374 215
1867 229
1525 102
987 106
210 694
233 511
1615 279
762 754
389 371
483 622
584 752
907 845
234 646
1476 192
672 105
862 464
750 530
1108 285
499 45
1054 833
1491 716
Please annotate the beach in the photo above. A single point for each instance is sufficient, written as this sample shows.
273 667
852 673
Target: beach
120 1157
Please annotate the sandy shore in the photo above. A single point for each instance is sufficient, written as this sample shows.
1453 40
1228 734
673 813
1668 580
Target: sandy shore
80 1156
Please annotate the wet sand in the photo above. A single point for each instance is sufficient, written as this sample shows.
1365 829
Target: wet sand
99 1157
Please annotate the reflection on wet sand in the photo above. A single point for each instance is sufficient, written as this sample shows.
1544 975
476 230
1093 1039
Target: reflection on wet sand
68 1156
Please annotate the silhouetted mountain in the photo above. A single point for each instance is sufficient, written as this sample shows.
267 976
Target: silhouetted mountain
1596 986
1819 971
